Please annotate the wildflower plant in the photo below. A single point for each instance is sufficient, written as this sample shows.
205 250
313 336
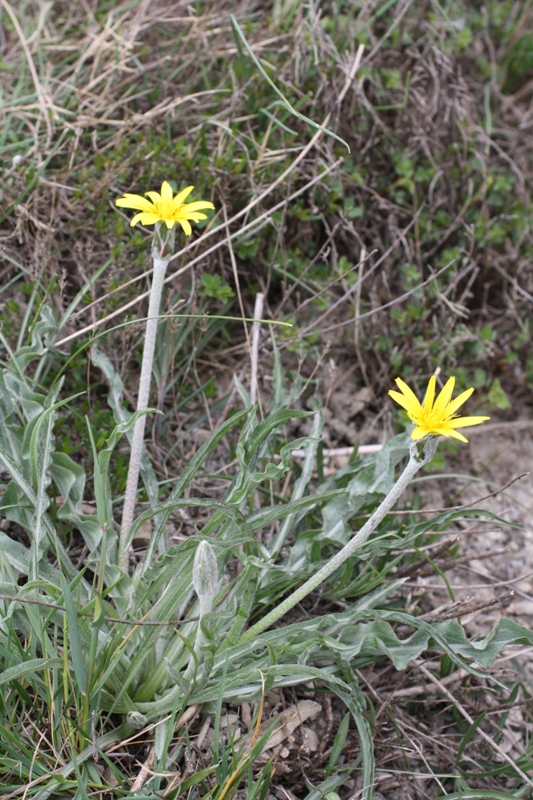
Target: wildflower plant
179 631
164 211
432 419
202 622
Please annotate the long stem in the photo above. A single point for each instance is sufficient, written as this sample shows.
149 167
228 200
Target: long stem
416 461
160 268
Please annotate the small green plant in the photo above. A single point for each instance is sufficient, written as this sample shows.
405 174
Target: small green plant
213 286
159 209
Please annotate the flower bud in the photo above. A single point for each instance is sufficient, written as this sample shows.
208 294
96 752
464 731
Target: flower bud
205 575
136 720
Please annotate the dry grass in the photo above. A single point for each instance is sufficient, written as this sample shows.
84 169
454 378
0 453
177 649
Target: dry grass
119 98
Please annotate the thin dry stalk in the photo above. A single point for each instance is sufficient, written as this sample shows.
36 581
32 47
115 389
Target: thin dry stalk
494 745
256 333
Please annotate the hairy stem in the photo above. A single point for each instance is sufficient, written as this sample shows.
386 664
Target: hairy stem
416 461
160 268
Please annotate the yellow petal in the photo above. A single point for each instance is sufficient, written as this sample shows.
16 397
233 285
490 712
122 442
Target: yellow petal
186 226
466 422
199 205
445 395
137 218
134 201
430 395
196 217
155 197
410 396
459 400
400 399
145 218
181 197
458 436
419 433
166 192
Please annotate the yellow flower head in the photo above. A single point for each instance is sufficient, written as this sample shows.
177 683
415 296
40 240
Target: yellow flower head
436 416
165 207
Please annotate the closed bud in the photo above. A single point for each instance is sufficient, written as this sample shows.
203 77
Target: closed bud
205 575
136 720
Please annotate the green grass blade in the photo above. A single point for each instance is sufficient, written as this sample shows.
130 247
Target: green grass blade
28 667
338 744
238 30
74 638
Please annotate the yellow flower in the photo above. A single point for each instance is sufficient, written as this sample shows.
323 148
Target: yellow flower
435 416
165 207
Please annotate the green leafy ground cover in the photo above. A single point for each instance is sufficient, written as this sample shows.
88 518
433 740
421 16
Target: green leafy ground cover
407 252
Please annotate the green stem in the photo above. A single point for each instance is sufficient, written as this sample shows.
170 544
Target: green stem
416 461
